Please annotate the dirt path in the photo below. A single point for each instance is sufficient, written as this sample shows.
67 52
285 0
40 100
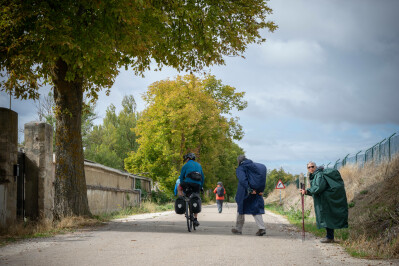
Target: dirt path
162 239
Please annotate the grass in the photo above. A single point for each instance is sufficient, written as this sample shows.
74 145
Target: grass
354 242
373 200
45 228
294 216
145 207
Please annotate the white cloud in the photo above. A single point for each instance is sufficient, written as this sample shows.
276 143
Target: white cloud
292 53
323 85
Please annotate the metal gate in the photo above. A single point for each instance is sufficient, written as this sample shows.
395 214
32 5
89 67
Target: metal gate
21 185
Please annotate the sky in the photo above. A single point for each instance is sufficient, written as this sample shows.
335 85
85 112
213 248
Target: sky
324 84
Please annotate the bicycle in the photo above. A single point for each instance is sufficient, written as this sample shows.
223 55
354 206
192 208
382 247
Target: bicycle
188 194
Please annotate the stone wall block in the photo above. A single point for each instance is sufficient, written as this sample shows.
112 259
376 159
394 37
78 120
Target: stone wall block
39 151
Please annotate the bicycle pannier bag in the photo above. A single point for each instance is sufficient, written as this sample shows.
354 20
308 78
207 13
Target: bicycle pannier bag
195 202
196 176
180 206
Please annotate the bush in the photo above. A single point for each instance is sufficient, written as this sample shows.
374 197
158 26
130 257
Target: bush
160 197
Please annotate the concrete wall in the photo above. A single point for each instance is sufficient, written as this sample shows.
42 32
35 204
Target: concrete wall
108 201
8 158
99 175
110 190
39 174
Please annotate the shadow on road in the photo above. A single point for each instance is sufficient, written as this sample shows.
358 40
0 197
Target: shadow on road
211 223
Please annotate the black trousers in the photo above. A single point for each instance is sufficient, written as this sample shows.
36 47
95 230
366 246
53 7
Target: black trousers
330 233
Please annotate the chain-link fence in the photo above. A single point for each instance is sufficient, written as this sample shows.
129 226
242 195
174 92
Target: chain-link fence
381 151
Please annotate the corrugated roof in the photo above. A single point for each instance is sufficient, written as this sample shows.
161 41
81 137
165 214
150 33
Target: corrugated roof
110 169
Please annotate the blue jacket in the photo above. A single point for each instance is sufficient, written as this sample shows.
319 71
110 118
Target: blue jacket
188 167
250 175
176 185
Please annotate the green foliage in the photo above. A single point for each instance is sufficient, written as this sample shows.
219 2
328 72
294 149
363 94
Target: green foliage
160 197
138 184
96 38
225 170
79 47
205 199
293 214
273 176
145 207
184 115
110 142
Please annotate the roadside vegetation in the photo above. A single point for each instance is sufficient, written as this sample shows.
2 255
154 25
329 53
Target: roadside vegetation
373 201
154 202
44 228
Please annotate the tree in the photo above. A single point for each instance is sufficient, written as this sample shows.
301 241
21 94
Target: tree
226 169
45 111
79 47
274 176
110 143
188 114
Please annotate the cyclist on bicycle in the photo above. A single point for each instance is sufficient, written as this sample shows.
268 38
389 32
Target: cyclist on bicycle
191 176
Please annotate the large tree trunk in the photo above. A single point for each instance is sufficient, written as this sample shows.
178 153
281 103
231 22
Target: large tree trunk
70 181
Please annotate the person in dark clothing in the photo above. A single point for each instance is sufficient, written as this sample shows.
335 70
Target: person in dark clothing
330 203
251 184
191 175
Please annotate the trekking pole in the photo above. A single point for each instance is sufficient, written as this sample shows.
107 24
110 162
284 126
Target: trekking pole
303 212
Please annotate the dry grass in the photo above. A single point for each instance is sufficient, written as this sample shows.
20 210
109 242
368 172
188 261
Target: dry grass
373 197
149 206
290 199
43 228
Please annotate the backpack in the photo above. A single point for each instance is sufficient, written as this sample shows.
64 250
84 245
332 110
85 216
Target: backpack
220 191
333 178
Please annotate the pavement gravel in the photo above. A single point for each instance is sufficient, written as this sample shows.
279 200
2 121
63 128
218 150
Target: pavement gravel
163 239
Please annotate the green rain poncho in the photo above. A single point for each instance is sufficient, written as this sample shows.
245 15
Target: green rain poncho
329 196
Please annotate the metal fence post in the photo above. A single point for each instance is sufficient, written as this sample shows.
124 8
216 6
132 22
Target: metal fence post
357 154
335 165
379 149
380 156
372 151
344 160
389 146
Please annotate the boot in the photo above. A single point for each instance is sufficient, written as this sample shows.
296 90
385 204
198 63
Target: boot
236 232
195 222
261 232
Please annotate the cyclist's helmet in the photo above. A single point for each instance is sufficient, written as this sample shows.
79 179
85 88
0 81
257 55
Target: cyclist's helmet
190 156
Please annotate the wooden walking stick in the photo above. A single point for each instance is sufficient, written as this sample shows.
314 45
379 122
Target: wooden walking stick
303 212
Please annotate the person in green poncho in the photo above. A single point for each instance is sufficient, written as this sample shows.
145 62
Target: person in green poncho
328 191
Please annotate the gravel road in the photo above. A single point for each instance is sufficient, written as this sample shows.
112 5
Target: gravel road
163 239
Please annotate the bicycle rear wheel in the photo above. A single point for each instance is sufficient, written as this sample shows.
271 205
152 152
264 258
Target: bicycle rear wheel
188 216
191 218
